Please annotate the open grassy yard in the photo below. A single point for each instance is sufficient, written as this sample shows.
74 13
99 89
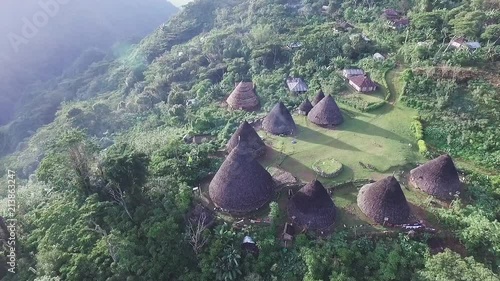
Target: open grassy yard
369 145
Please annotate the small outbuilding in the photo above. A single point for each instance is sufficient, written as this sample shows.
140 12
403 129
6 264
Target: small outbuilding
378 56
462 43
362 83
288 233
384 202
319 96
352 72
297 85
438 177
305 107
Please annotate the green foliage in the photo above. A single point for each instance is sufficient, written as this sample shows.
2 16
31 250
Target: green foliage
183 162
459 120
139 101
422 147
385 259
417 128
476 224
274 212
449 266
124 166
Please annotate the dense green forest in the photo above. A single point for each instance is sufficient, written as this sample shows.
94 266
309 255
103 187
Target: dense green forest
105 190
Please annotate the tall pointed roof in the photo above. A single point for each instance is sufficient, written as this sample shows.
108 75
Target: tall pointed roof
241 184
248 139
384 199
243 97
319 96
437 177
326 113
312 207
305 107
279 121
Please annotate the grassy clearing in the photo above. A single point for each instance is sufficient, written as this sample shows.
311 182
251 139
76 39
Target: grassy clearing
369 145
362 101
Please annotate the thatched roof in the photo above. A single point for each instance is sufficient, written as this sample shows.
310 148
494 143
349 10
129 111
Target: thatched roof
241 185
243 97
437 177
326 113
248 139
384 199
305 107
312 207
318 97
279 121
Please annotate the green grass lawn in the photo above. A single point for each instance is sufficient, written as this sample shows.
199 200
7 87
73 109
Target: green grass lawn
361 101
369 145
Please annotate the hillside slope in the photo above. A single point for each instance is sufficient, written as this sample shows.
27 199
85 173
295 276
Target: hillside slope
113 186
40 39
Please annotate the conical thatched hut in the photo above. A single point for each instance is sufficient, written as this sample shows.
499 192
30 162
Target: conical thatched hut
241 185
384 201
312 207
437 177
318 97
326 113
248 140
243 97
279 121
305 107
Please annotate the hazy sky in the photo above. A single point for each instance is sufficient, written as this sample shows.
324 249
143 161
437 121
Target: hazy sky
179 3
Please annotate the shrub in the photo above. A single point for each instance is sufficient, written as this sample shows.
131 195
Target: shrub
417 128
422 147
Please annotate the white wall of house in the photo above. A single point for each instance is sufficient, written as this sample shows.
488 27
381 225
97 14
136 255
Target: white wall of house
354 86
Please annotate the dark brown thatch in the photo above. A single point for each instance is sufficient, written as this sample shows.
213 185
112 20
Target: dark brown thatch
437 177
384 201
279 121
243 97
305 107
318 97
248 140
241 185
326 113
312 207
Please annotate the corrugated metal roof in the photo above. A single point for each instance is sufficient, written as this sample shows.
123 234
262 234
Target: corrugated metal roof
297 85
352 72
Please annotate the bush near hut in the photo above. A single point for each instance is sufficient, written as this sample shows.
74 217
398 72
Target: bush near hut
417 128
328 168
422 146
